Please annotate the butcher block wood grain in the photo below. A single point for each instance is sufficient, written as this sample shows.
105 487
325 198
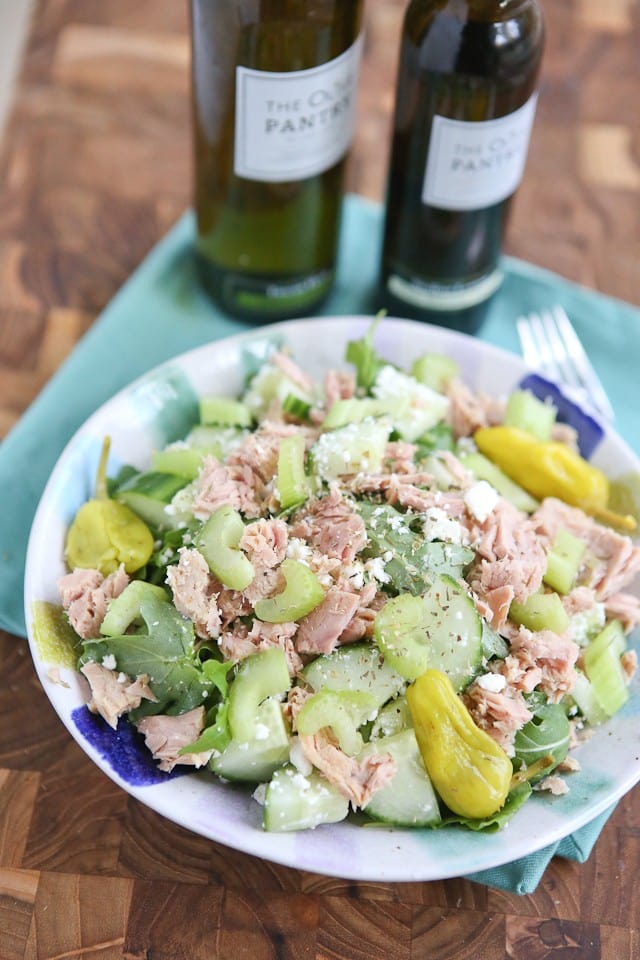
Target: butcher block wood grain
94 168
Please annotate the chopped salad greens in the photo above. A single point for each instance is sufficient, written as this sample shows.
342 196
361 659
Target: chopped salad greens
380 593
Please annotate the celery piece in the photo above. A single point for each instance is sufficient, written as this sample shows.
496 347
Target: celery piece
218 542
262 675
484 469
292 482
584 697
607 679
302 594
563 561
216 440
181 460
296 802
342 710
526 412
223 410
435 370
426 407
612 635
125 608
540 611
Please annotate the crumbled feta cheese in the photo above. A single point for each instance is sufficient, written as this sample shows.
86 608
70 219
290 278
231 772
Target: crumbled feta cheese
109 662
298 758
355 574
298 550
260 794
584 625
438 525
493 682
481 499
375 569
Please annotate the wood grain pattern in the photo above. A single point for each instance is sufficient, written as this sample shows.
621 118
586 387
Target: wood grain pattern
94 168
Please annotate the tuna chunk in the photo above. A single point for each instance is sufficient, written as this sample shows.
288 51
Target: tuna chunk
398 457
617 559
239 643
265 543
468 410
193 592
320 630
338 385
332 525
291 369
624 607
357 780
542 659
217 486
510 554
165 736
85 596
114 694
498 712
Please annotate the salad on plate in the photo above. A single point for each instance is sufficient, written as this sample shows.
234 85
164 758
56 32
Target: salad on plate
382 594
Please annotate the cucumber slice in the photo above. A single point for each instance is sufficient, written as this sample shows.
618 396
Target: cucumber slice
435 370
297 802
526 412
484 469
149 493
440 629
426 406
409 799
125 608
393 718
358 667
256 758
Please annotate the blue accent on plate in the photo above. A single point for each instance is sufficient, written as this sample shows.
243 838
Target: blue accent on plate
123 749
589 431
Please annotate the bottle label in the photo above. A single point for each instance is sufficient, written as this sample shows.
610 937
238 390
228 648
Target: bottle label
476 164
298 124
266 296
438 296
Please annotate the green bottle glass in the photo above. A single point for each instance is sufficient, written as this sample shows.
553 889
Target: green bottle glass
274 88
465 104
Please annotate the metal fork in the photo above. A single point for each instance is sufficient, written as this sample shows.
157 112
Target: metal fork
551 346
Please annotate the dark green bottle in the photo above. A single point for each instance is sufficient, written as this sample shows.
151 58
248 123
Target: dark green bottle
465 104
274 89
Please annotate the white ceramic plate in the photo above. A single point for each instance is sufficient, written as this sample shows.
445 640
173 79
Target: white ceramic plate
149 413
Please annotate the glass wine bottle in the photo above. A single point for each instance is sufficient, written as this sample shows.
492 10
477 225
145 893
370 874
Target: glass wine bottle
274 90
465 104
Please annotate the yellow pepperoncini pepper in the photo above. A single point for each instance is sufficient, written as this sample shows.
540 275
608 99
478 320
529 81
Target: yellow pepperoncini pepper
470 771
105 533
550 469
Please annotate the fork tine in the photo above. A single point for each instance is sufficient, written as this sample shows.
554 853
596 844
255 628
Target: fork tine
582 364
560 351
530 351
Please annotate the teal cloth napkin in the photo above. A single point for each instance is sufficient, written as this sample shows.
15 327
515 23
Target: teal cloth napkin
161 311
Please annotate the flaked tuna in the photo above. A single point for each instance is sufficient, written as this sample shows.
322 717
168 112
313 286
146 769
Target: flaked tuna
114 694
500 713
239 643
321 629
331 524
165 736
357 780
509 554
338 385
193 590
85 596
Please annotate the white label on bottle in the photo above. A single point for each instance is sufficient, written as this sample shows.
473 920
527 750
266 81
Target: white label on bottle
477 164
294 125
433 296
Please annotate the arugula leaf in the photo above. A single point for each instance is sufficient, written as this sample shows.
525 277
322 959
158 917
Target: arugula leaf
516 798
163 650
547 733
365 358
413 561
216 737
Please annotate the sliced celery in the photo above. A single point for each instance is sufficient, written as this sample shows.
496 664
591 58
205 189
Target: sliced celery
292 482
540 611
526 412
222 410
182 461
355 410
584 696
435 370
608 680
296 407
302 594
612 635
218 543
342 710
563 561
125 608
264 674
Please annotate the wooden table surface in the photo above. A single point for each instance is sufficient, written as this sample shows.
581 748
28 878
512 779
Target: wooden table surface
94 168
